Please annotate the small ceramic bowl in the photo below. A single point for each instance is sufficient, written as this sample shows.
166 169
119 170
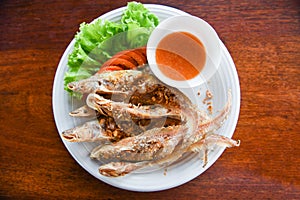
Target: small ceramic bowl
198 28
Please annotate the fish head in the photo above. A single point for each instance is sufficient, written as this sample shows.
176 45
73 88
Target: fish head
83 86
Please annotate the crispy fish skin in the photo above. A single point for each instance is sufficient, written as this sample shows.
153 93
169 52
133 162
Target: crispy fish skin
117 169
107 82
83 111
122 168
151 145
181 137
155 143
135 85
158 143
88 132
160 146
98 103
202 143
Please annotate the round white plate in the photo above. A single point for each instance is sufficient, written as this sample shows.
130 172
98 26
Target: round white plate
189 166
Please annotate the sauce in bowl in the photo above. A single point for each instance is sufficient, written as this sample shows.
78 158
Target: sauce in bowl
184 51
180 56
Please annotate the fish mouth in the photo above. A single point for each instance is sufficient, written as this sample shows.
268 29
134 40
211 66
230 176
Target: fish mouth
71 86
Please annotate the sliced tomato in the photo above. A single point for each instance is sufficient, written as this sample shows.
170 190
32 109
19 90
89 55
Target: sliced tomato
126 64
109 68
127 59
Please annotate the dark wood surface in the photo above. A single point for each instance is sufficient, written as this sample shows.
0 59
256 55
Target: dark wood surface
263 38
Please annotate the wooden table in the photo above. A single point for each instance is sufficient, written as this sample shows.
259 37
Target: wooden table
263 38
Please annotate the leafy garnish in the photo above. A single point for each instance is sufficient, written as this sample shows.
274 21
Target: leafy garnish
99 40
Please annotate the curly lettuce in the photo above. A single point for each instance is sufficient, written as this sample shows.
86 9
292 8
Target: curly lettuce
137 14
96 42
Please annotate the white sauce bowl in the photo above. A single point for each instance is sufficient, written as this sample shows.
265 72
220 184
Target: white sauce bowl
197 27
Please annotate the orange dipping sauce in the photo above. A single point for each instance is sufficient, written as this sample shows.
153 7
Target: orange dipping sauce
180 56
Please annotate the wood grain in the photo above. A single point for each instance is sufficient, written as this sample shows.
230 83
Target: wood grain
264 41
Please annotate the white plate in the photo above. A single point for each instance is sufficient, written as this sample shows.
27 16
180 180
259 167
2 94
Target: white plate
184 170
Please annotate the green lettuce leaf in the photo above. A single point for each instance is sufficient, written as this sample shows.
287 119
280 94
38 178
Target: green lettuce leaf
136 13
